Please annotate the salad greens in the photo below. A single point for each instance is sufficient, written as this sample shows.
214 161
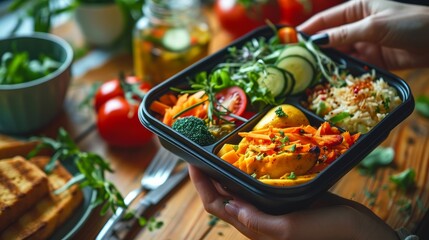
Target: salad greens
263 71
17 67
241 69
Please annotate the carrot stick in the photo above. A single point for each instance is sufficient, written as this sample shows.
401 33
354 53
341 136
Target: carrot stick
158 107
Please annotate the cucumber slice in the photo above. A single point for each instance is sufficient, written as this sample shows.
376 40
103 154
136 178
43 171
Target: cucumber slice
274 80
301 69
299 50
176 39
290 83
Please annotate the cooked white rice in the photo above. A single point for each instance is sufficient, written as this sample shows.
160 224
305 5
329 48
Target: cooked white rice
365 101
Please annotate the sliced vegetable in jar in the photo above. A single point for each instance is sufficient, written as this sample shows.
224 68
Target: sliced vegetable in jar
176 39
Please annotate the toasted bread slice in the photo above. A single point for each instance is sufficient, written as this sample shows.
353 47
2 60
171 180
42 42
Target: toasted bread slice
50 212
11 147
22 185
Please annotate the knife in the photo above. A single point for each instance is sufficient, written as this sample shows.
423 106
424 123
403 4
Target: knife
154 197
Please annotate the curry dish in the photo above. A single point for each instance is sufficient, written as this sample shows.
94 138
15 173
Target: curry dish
287 156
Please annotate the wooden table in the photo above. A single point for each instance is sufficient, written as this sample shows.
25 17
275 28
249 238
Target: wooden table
183 214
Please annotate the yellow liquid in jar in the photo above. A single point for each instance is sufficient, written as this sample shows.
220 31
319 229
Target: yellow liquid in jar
155 63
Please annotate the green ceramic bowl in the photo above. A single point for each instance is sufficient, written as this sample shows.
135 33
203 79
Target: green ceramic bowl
29 106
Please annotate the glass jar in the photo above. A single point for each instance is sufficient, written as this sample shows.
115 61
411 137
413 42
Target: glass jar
170 36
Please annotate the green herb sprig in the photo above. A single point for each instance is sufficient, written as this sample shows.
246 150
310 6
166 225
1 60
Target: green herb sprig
332 71
379 157
91 166
405 180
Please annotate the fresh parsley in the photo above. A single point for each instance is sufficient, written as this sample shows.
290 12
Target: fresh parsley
422 105
291 175
379 157
405 179
280 113
91 166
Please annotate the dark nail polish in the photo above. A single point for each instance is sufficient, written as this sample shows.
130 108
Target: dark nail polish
231 208
321 39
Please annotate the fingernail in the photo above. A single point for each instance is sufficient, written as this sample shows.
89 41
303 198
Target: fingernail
231 208
321 39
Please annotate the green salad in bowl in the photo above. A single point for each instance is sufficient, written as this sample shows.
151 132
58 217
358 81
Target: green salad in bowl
17 67
35 72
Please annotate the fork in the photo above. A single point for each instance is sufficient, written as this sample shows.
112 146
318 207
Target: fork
160 168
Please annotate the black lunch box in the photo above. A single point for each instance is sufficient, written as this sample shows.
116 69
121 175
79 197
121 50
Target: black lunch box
270 199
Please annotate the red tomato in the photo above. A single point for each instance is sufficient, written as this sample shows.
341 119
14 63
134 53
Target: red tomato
234 99
112 88
294 12
287 35
106 91
119 126
238 20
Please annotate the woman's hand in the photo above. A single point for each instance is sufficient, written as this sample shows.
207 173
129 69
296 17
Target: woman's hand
385 33
331 217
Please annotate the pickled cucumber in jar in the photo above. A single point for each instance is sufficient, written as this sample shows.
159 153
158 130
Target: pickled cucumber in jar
170 37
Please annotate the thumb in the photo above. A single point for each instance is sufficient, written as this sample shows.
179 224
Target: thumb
252 222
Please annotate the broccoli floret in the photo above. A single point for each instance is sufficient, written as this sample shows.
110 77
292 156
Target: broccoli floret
195 129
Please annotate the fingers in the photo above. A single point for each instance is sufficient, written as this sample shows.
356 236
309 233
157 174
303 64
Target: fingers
212 195
296 225
348 217
344 24
254 223
204 186
345 13
215 202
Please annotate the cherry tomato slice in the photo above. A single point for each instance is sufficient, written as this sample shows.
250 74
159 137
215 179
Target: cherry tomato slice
234 99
